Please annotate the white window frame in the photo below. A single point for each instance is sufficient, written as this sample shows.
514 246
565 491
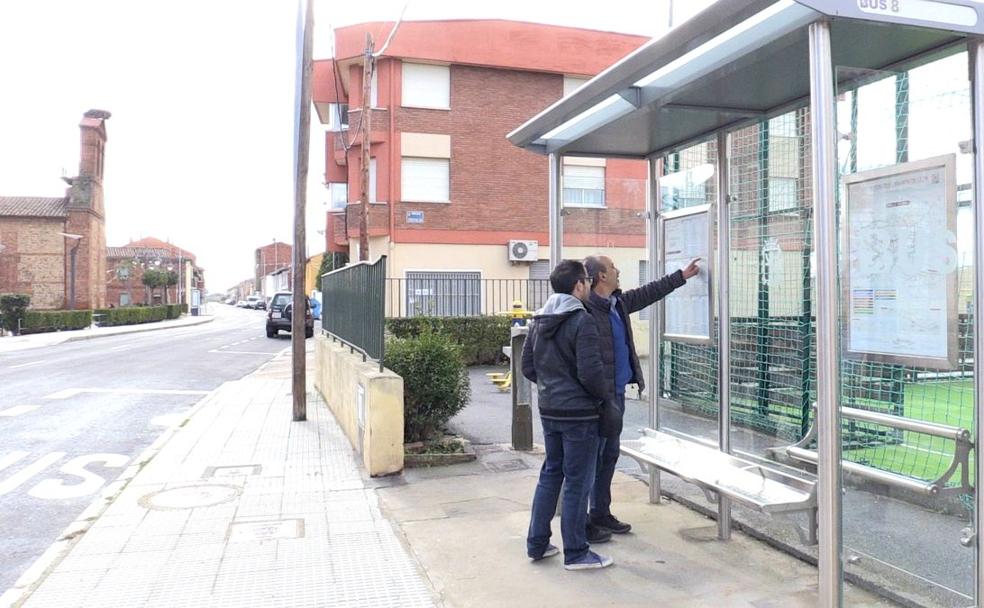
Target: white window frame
414 194
410 96
372 179
335 123
576 196
446 292
374 89
337 195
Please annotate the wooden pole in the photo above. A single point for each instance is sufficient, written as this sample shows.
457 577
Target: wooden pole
302 138
365 121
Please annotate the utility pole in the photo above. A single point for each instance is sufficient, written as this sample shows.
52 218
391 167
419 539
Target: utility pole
366 121
302 138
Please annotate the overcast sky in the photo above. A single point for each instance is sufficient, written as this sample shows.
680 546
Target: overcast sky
202 97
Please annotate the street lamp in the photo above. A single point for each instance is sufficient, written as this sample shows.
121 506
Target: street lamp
71 288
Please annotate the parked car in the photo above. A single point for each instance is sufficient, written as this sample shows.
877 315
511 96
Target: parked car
241 304
281 312
253 301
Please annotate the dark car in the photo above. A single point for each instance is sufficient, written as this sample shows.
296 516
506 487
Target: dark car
280 314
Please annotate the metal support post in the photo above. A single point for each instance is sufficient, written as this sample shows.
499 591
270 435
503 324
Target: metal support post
828 345
522 399
722 270
555 205
977 92
652 240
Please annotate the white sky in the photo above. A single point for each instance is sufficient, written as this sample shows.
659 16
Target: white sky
200 147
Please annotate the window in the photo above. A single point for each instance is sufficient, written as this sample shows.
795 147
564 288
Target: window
374 89
584 186
444 294
572 83
339 195
426 86
538 289
782 194
425 180
337 116
124 299
372 180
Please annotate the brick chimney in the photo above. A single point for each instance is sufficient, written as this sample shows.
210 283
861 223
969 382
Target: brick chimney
86 216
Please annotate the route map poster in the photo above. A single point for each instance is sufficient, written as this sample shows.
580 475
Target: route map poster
899 292
687 311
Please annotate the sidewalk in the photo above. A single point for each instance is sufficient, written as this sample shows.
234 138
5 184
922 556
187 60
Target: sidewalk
17 343
243 507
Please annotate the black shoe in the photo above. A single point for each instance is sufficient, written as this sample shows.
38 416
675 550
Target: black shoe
610 523
597 535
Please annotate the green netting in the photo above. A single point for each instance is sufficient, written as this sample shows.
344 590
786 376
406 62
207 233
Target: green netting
890 118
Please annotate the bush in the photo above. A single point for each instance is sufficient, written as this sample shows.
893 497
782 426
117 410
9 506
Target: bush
435 382
176 310
481 338
13 307
39 321
133 315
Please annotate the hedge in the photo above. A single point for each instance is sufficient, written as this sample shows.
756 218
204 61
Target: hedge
480 338
435 382
132 315
13 306
39 321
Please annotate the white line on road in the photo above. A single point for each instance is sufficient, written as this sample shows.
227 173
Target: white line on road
17 410
71 392
10 459
27 364
15 480
124 347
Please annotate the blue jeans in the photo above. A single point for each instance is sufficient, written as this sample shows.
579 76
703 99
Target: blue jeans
572 454
608 452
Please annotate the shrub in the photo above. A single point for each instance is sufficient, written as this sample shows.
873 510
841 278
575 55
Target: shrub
481 338
435 382
132 315
13 306
39 321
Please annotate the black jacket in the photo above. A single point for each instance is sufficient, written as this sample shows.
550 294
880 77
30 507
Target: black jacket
626 303
561 356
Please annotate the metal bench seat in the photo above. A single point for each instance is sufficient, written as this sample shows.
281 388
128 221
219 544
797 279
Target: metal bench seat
745 482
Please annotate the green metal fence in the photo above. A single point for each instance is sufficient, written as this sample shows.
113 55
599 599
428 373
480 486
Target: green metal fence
773 375
354 306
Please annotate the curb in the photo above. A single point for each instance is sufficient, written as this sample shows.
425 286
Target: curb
133 330
28 582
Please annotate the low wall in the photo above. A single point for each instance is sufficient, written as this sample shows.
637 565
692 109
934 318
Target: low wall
367 403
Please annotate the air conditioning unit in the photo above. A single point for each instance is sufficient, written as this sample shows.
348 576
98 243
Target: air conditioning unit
524 251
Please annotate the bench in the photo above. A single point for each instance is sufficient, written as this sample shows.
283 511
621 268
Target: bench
801 452
716 473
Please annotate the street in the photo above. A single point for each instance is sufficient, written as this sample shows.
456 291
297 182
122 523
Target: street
75 415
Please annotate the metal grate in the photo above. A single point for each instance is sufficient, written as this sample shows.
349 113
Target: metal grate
354 306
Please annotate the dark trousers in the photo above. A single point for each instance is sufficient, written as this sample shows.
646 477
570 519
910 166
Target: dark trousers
608 452
571 456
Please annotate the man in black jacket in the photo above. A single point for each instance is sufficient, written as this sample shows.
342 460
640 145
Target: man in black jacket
611 307
561 356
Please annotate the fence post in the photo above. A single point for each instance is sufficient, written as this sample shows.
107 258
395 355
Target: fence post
522 403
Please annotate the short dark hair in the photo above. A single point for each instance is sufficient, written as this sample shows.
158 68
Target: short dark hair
594 267
565 276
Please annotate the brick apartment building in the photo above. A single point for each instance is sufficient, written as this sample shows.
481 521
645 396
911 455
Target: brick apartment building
269 260
126 266
40 236
449 195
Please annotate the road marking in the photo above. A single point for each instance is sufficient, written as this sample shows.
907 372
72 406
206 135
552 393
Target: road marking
124 347
26 364
14 481
241 352
71 392
10 459
17 410
55 489
169 420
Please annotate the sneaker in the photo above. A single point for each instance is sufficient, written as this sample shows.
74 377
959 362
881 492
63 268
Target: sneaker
590 561
611 523
550 551
597 535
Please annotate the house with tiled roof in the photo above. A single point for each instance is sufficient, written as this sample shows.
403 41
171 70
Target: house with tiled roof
127 264
54 248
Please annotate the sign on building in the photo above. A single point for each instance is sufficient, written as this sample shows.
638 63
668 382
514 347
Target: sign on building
686 234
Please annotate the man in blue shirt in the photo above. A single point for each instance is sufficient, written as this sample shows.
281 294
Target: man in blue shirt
611 307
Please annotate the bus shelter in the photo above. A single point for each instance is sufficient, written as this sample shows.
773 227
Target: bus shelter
821 156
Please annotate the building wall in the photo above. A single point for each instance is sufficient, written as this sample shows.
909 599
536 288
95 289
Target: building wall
32 260
268 259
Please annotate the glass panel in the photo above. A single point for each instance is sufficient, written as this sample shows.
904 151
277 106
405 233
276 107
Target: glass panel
906 266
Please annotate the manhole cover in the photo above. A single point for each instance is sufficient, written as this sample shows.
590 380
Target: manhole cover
190 497
506 465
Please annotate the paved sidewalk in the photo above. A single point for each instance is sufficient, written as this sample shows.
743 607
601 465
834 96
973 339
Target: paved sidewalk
241 507
17 343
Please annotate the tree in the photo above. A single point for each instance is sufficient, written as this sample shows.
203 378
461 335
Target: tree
152 279
168 279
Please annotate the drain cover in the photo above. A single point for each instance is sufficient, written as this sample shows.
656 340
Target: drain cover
502 466
190 497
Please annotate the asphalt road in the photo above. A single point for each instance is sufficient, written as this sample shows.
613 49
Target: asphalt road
75 415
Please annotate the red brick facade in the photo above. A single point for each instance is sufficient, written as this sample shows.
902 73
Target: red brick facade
269 259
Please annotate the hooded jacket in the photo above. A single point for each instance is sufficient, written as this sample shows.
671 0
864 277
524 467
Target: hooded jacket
562 357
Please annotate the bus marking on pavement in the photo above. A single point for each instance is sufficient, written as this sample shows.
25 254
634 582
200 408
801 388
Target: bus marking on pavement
17 410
